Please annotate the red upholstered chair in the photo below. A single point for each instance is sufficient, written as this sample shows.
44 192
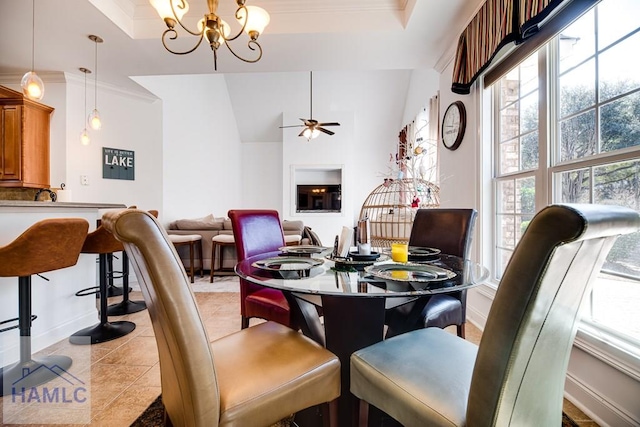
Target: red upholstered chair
256 232
451 231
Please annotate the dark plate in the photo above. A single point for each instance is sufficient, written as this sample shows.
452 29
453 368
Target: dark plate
350 263
304 250
419 253
409 272
287 264
361 257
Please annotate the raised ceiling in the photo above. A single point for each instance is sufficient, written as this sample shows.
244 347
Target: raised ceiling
303 35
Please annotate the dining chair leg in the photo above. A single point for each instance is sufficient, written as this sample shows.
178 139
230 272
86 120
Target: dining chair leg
330 414
362 414
460 329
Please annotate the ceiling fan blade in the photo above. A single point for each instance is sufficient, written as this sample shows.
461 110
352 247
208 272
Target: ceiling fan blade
301 133
292 126
329 124
328 132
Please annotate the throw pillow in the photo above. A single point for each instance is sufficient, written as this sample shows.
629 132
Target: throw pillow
208 222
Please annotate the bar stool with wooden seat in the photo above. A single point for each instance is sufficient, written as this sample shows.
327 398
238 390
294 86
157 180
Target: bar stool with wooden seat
47 245
193 241
102 243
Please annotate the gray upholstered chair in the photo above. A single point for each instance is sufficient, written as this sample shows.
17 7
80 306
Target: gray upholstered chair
253 377
451 231
516 376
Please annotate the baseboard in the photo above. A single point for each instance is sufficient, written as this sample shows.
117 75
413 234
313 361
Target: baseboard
597 407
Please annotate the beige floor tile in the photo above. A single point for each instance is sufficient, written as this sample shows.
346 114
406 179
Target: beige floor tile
141 350
151 378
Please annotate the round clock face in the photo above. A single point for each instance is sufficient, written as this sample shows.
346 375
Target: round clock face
454 123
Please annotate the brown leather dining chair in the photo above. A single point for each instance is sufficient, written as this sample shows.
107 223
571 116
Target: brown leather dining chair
451 231
516 376
256 376
256 232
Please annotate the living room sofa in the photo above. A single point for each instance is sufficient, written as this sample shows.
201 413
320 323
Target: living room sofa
210 226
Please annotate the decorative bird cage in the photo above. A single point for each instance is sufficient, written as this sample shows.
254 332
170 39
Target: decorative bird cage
391 208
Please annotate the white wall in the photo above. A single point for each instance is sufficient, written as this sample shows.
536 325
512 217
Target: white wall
202 171
129 122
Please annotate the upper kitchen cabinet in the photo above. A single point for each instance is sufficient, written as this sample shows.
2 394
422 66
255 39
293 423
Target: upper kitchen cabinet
24 141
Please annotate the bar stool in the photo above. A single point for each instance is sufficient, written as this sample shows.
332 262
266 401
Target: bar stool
219 241
47 245
103 243
193 241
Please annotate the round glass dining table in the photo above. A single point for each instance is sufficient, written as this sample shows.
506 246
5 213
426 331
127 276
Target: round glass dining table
352 303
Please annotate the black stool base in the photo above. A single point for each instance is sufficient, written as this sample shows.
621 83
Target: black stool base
126 307
102 332
38 371
114 291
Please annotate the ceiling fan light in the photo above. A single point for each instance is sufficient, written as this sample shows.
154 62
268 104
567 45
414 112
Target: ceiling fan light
32 86
257 21
310 133
163 7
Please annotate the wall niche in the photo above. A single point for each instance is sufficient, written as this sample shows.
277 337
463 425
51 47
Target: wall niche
316 189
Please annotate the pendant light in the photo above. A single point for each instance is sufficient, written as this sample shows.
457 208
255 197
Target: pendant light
94 118
84 135
32 85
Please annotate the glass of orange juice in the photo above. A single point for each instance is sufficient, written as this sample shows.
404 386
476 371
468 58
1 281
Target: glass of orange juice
400 252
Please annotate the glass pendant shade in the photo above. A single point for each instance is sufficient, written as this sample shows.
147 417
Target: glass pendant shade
94 120
84 137
258 19
32 86
163 7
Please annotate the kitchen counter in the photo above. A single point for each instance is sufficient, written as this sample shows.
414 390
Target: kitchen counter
49 204
60 313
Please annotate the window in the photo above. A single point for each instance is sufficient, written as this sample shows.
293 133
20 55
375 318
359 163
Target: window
566 128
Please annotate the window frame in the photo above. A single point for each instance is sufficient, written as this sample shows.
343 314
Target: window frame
615 349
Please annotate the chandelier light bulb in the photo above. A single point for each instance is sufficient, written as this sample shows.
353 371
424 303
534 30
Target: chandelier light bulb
84 137
94 120
163 7
257 21
32 86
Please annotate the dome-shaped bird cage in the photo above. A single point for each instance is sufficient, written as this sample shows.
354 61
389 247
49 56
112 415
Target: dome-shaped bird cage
391 208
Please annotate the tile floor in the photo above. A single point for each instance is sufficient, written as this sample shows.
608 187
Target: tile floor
125 374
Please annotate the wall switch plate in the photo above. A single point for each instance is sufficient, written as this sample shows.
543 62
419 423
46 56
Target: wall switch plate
84 179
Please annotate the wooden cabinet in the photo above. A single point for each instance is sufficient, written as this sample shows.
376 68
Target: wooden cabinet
24 141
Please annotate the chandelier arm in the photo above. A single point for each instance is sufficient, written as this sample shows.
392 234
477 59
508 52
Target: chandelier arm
250 44
175 36
238 16
175 15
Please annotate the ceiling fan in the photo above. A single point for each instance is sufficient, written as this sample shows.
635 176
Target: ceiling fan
312 127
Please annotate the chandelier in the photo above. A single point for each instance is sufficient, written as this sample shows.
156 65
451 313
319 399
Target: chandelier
214 29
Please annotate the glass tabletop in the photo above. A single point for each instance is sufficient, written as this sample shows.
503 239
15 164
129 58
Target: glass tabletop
326 279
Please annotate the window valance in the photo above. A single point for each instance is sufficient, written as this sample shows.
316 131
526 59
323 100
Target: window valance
497 23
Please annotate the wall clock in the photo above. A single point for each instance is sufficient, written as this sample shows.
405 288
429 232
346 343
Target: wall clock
454 123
